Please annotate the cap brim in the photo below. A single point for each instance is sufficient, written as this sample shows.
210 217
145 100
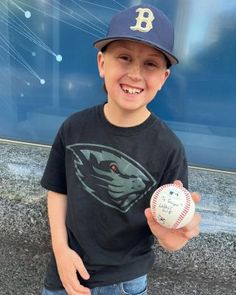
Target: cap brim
101 43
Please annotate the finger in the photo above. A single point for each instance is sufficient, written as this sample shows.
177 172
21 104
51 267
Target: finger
195 222
192 229
79 290
81 269
83 290
148 213
196 197
149 216
178 183
192 233
73 285
157 229
75 288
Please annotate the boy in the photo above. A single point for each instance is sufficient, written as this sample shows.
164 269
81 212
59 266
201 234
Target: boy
106 162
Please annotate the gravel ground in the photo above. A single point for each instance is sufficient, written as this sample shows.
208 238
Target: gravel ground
207 265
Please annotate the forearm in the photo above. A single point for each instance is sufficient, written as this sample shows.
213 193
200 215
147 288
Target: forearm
67 260
57 207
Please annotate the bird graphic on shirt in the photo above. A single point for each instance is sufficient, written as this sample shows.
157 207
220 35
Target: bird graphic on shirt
112 177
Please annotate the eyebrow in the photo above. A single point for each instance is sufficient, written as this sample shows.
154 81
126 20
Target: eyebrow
155 55
159 55
119 46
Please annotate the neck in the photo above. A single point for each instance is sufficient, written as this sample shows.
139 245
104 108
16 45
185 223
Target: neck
125 119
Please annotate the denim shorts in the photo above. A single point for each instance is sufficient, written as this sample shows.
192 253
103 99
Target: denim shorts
137 286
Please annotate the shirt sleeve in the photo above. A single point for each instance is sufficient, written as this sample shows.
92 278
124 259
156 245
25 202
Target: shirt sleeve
54 176
177 169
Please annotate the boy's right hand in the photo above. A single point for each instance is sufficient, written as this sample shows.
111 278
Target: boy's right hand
68 263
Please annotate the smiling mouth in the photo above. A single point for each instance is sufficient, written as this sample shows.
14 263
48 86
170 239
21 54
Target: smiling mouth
131 90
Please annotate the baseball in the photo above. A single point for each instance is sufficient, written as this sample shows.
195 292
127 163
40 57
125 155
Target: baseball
172 206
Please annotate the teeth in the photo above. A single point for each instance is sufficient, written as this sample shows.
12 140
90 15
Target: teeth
131 90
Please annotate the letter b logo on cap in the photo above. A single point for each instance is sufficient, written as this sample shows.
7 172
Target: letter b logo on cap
143 20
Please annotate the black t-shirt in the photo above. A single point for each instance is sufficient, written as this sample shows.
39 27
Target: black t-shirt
109 174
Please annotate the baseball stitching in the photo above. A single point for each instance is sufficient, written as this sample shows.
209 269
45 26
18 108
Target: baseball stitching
185 210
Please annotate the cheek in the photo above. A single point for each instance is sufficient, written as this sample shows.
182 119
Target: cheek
110 83
113 76
154 84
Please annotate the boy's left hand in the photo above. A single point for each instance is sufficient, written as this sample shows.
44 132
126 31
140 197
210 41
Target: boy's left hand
175 239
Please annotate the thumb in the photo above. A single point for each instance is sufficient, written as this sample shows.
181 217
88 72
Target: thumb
157 229
149 215
81 268
178 183
150 219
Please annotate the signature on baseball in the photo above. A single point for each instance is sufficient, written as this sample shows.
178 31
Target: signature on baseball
170 203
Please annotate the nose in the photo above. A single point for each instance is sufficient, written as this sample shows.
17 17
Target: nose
135 72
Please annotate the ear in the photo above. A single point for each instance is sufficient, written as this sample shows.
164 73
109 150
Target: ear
100 61
165 76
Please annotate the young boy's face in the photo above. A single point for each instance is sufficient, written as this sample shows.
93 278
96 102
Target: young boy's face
133 73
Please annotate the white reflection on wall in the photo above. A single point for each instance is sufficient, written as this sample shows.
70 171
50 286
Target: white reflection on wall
194 28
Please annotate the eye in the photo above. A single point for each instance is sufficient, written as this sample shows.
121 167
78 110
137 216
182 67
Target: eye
125 58
151 65
114 168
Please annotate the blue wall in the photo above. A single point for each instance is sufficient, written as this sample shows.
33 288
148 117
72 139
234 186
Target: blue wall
48 71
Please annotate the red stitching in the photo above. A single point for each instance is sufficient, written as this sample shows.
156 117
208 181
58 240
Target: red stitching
185 210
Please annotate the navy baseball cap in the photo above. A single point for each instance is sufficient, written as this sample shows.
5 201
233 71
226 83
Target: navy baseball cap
145 24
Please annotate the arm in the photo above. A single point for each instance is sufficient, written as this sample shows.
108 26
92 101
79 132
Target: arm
68 261
57 206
